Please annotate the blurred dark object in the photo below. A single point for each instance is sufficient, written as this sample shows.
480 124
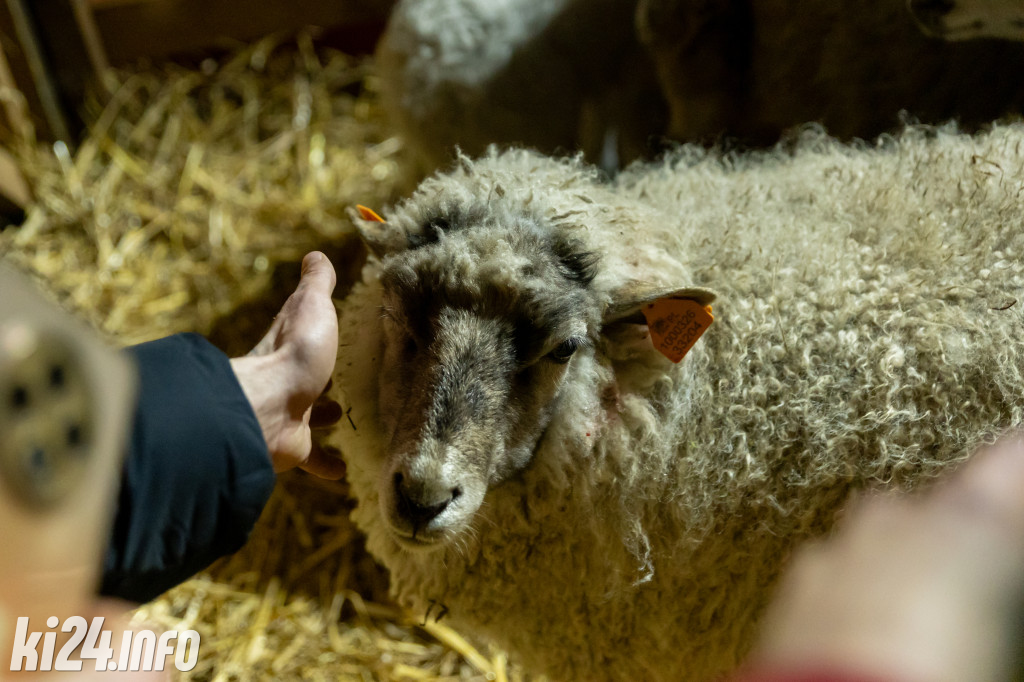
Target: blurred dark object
132 29
49 51
52 50
969 19
752 70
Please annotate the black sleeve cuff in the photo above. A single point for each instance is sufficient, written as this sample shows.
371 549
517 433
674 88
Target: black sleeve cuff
197 473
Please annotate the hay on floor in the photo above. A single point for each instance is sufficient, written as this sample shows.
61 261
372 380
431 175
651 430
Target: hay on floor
187 207
193 184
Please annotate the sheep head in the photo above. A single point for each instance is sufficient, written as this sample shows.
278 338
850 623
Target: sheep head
484 312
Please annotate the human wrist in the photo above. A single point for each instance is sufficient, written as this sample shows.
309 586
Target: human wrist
260 377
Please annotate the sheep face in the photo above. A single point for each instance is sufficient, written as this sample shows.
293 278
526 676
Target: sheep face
480 326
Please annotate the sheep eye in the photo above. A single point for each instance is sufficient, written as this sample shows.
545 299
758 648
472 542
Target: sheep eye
565 350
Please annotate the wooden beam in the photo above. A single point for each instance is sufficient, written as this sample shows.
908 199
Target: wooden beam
13 186
15 192
131 29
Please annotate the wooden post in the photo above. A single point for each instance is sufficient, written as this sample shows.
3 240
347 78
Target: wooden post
71 43
30 72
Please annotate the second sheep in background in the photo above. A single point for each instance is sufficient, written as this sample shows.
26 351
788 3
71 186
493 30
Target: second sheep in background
614 78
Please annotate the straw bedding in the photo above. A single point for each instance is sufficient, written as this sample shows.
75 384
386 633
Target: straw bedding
187 207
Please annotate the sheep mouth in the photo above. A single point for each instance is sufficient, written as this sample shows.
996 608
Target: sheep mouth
418 542
418 534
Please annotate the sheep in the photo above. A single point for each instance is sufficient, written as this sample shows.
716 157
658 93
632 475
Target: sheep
754 69
969 19
615 77
552 74
529 466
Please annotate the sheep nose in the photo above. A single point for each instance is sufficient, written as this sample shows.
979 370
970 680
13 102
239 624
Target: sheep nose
415 503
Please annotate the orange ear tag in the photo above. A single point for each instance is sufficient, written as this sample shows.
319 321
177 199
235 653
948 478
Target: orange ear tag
368 214
676 324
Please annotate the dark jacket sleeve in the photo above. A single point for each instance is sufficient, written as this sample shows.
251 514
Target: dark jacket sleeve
196 475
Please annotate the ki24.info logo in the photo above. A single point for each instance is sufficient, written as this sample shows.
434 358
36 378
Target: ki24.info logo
140 650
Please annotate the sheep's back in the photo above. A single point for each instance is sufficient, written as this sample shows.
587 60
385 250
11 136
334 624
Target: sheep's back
869 315
867 334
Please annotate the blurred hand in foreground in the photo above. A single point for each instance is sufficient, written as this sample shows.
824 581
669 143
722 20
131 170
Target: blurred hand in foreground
912 588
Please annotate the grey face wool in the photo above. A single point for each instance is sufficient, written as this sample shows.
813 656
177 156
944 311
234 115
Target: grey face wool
622 517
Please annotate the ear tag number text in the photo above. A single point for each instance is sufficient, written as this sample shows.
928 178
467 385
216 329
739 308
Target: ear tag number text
676 324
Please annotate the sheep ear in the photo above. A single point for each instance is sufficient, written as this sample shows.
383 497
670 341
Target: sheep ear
642 319
379 236
629 300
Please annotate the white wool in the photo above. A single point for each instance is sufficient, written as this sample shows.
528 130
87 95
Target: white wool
866 336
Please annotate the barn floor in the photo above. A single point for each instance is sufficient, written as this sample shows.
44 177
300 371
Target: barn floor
188 207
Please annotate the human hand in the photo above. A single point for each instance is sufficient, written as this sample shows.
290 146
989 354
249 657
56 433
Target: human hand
912 588
285 374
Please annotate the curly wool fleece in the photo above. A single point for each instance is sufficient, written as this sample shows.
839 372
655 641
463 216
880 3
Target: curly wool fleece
868 335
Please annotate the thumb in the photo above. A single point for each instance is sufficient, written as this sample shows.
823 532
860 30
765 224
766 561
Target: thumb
318 274
311 298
